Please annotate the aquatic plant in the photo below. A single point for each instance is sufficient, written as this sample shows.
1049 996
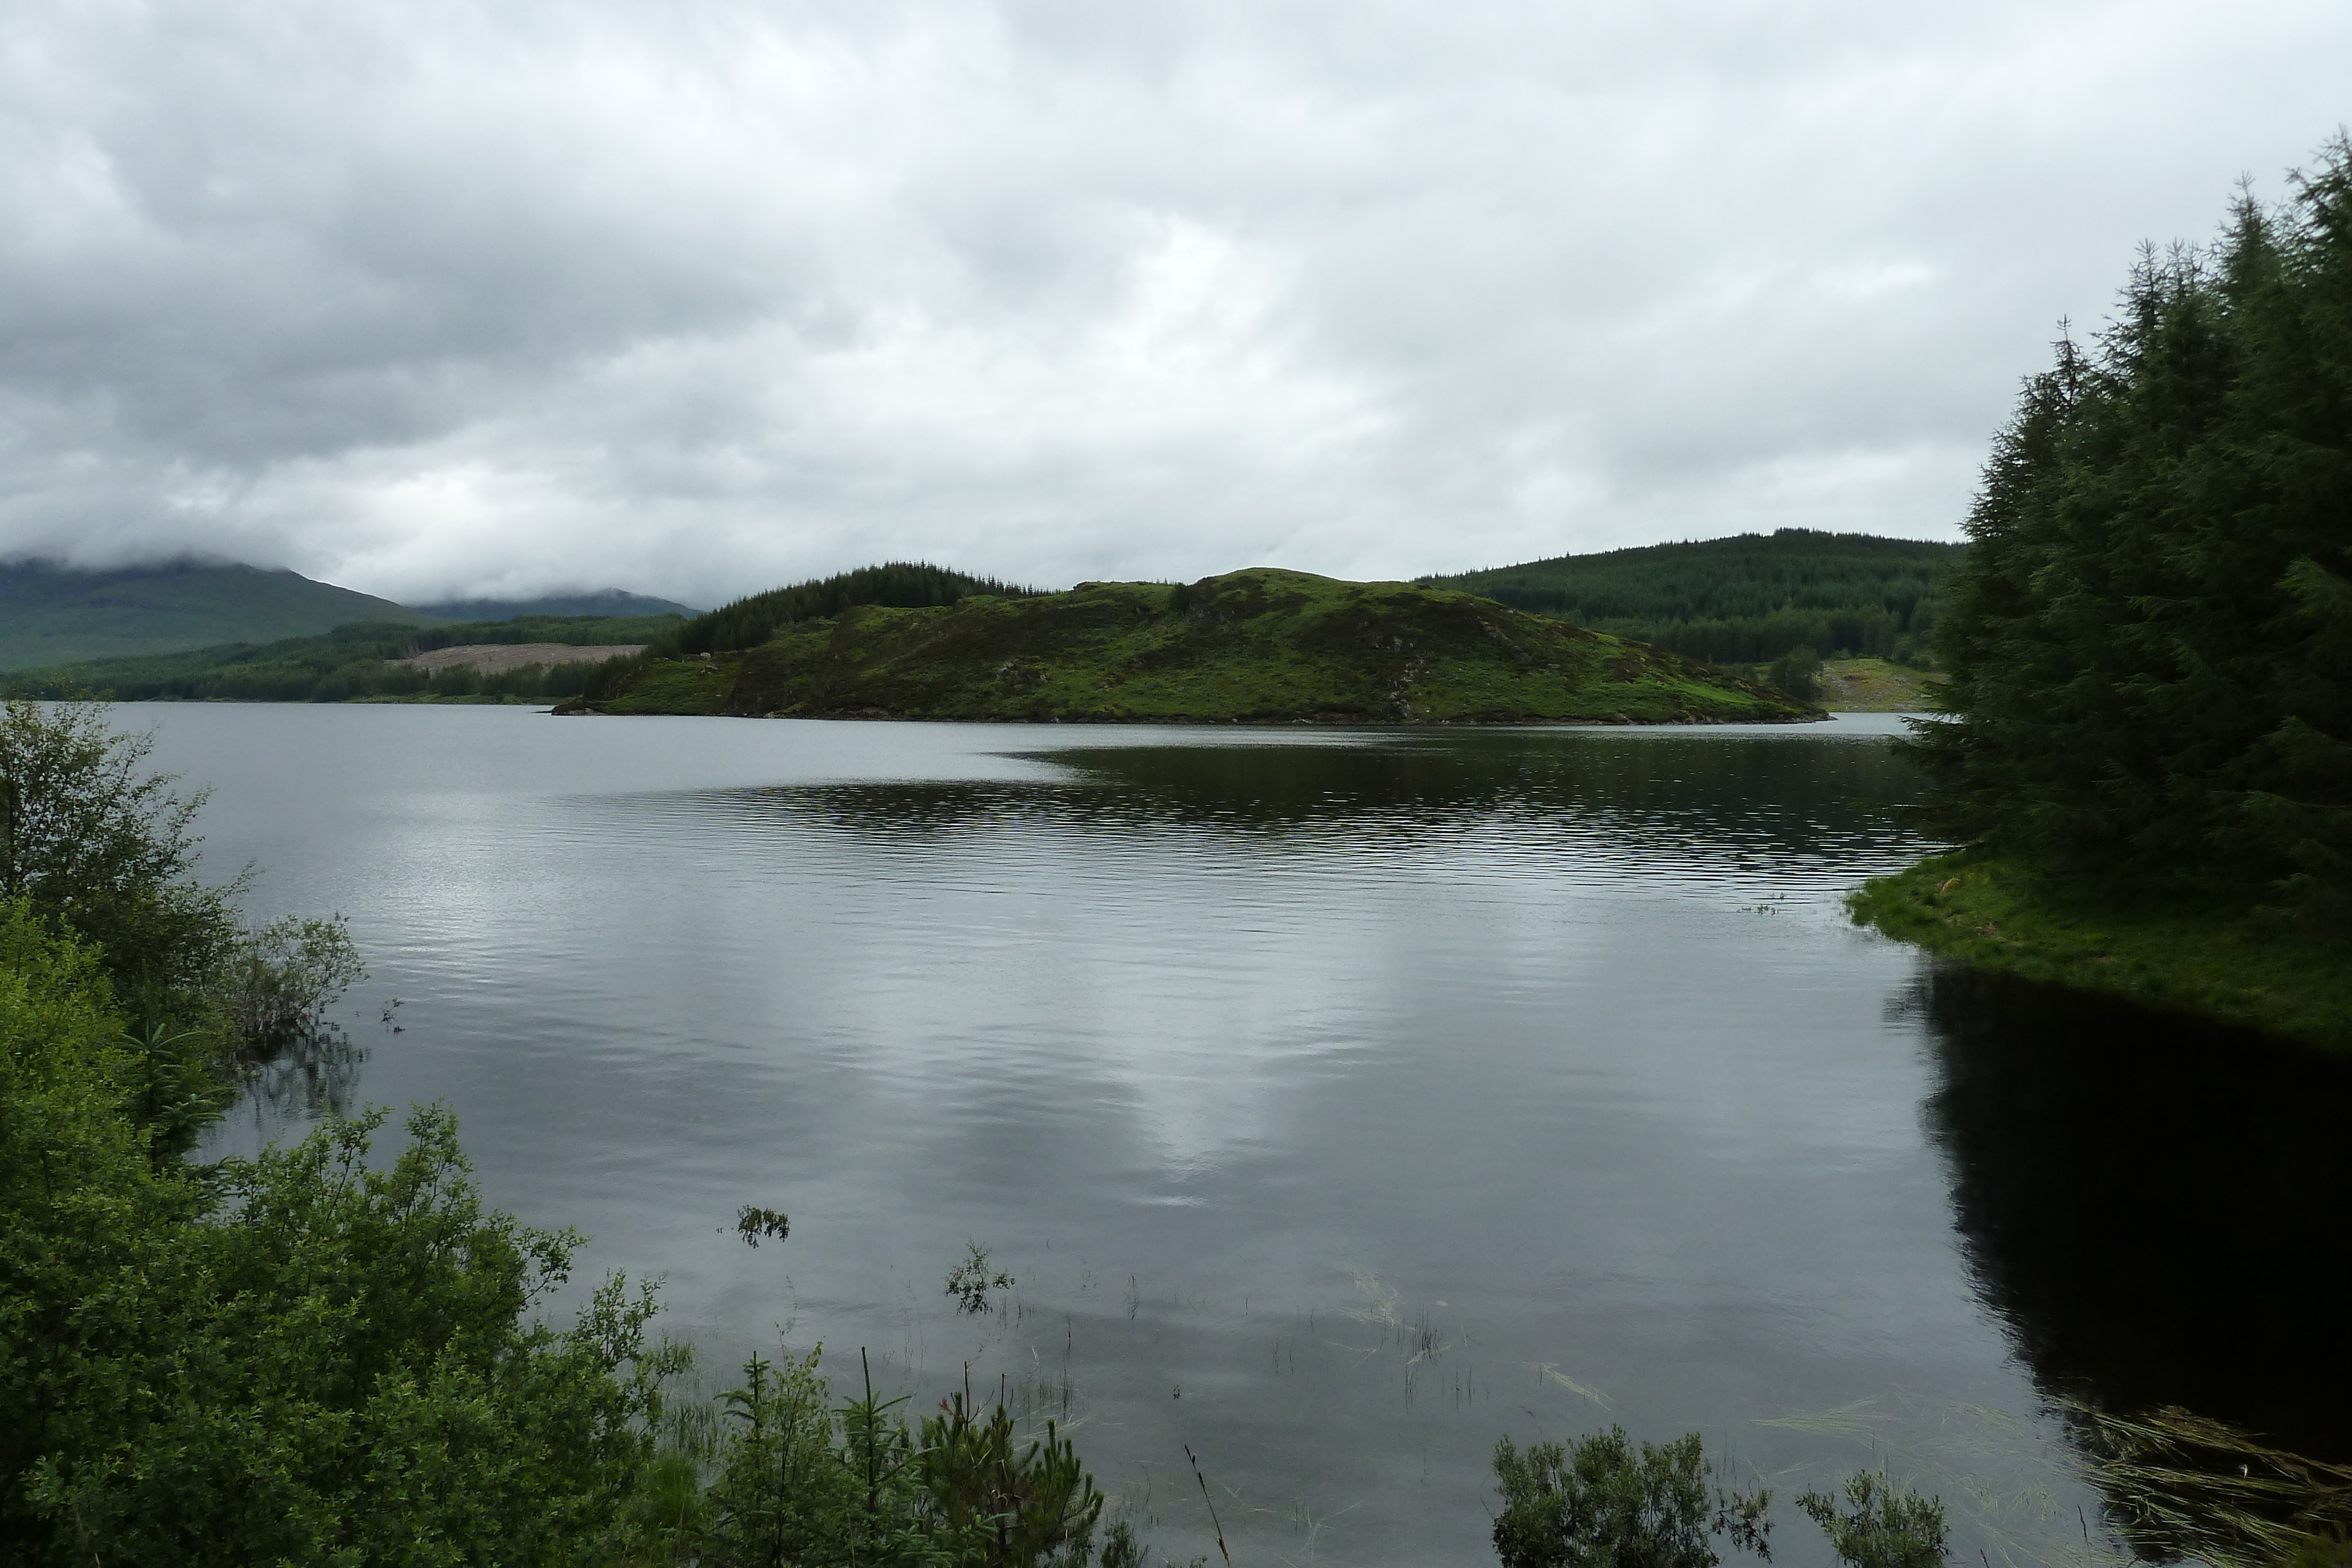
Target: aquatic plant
2183 1485
971 1280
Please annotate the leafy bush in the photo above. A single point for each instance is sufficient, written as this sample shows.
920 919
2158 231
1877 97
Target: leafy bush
91 841
285 976
1597 1503
1882 1525
295 1358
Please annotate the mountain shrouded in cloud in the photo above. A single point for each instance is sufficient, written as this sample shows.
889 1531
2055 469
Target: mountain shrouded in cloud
449 299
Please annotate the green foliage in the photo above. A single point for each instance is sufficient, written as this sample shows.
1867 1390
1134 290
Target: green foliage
995 1503
285 976
1597 1503
906 585
1744 600
971 1280
52 615
81 1205
1798 673
2150 646
1260 646
1120 1549
351 663
1881 1525
789 1489
90 839
798 1479
650 685
299 1359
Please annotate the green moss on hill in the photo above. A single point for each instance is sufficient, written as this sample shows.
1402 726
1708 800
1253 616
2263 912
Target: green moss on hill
1261 645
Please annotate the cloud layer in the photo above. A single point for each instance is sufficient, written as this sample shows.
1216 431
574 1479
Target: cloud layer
440 297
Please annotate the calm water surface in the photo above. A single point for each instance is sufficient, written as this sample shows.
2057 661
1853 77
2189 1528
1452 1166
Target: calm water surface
1340 1101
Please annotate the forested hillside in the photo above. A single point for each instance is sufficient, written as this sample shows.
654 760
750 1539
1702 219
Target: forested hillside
51 614
2150 647
348 662
1744 600
900 585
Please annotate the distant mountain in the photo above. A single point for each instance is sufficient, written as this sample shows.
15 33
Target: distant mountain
53 614
1742 600
611 602
366 661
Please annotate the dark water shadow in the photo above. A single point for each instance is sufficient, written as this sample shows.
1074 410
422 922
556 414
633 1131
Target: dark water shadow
2159 1211
1788 795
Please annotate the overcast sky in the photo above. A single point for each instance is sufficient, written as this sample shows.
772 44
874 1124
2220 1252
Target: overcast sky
433 296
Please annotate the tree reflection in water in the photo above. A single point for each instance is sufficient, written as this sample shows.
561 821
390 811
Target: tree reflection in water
303 1071
2154 1208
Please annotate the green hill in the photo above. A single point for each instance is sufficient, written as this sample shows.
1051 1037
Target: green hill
52 615
1260 646
1743 599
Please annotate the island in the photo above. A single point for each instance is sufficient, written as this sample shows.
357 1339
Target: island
1257 646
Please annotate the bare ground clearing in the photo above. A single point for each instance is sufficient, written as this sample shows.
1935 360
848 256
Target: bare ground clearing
497 658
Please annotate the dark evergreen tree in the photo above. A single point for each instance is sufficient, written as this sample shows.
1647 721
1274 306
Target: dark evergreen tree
1743 599
2151 645
904 585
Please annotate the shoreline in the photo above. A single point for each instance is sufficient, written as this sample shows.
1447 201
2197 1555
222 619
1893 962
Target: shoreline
2163 953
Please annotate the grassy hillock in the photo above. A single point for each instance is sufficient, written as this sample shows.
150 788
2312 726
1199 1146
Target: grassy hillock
1744 600
51 614
1261 645
348 663
1874 686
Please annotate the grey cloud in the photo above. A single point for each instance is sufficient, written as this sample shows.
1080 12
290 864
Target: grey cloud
449 297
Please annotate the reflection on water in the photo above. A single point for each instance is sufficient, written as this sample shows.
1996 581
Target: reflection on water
1340 1101
2156 1207
1665 810
304 1072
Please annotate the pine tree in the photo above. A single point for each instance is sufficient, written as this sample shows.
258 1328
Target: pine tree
2150 643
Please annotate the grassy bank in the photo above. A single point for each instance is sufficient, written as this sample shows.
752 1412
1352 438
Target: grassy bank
2163 951
1873 686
